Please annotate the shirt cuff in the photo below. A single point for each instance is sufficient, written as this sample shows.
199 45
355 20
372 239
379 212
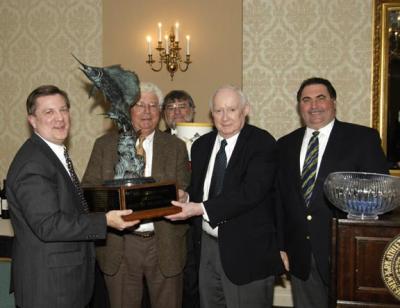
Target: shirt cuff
205 215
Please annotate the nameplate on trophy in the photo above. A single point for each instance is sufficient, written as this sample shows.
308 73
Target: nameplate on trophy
147 201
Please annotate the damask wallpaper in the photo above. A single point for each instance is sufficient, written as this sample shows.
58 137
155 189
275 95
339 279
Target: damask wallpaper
284 42
37 38
287 41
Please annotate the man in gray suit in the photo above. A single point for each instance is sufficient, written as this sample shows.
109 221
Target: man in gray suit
53 254
156 251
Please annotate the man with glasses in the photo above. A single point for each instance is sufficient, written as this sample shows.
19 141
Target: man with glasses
156 250
178 107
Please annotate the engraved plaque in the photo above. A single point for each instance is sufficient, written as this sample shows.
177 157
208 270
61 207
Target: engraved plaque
146 200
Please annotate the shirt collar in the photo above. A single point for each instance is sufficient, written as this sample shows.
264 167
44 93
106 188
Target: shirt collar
57 148
326 130
230 141
150 138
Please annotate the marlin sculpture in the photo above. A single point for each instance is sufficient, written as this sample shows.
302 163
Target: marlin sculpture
122 91
119 86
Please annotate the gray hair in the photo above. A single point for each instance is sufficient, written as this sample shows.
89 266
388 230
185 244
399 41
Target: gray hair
148 87
243 98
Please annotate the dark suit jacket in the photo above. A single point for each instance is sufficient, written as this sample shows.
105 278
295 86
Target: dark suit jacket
244 211
53 253
170 162
350 148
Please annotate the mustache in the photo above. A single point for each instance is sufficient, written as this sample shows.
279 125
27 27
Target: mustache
316 110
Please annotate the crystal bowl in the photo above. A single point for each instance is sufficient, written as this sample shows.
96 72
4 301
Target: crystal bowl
363 196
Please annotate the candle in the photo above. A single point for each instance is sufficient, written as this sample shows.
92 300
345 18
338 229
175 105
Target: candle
166 45
149 45
159 32
187 44
177 32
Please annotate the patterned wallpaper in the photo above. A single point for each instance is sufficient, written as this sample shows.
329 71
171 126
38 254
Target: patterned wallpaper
284 42
37 38
287 41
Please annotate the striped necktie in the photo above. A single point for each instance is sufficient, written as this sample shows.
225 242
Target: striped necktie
140 148
75 181
310 168
218 174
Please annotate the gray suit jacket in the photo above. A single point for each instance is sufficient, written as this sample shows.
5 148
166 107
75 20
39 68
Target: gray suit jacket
53 253
170 162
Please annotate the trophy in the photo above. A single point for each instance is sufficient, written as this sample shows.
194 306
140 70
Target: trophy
129 189
189 132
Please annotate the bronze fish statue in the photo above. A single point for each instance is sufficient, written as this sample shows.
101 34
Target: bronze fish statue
119 86
122 91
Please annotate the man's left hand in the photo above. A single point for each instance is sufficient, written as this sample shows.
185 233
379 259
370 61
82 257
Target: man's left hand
189 209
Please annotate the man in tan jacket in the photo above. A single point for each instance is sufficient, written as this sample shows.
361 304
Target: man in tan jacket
156 250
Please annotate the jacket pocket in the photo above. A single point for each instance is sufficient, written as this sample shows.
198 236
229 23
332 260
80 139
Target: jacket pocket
63 259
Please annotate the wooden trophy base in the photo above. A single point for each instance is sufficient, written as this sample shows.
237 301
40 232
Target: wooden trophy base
149 214
148 201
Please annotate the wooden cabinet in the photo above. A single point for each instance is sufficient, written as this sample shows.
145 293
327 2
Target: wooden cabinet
357 250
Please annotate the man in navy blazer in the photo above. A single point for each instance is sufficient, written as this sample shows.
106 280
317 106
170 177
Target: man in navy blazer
53 255
239 249
306 228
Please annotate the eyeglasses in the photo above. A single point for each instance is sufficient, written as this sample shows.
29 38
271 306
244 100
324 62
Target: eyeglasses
141 107
176 106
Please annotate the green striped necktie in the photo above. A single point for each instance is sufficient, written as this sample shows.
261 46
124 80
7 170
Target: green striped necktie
310 168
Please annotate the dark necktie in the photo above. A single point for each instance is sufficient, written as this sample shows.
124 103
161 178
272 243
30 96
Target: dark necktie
75 181
217 178
310 168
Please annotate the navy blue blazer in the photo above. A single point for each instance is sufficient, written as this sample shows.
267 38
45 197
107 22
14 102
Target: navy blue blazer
350 147
244 211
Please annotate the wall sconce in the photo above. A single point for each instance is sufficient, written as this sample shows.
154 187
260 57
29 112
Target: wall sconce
170 53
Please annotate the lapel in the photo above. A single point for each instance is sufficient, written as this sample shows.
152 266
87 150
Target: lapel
240 145
294 156
328 159
157 149
52 157
293 159
208 147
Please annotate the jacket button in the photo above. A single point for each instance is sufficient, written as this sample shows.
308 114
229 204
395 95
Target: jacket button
309 217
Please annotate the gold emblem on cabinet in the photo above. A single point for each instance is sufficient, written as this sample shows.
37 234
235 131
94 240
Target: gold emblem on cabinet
390 267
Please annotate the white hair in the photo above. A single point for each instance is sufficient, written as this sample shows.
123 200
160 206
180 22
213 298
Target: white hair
148 87
243 98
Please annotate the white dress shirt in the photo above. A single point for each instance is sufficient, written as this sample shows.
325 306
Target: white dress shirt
323 138
58 149
231 142
148 148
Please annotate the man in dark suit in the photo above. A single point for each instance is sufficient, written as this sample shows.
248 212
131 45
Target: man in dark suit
53 253
156 250
233 171
178 107
304 211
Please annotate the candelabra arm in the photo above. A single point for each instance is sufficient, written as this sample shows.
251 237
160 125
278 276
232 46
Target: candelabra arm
187 62
150 61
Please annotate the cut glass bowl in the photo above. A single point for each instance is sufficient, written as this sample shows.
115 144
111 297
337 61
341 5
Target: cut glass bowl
363 196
